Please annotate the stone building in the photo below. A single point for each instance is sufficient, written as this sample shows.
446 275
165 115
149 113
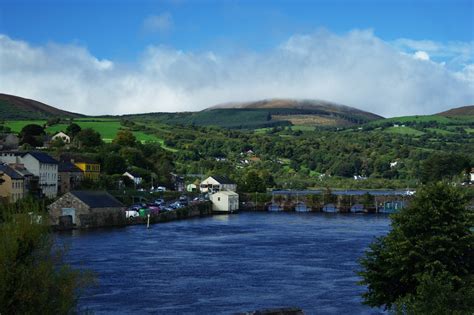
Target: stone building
85 209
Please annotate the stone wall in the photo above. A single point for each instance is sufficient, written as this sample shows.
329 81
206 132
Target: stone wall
103 217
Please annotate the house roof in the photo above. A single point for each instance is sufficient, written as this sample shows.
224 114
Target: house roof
135 175
10 172
68 167
223 180
227 193
21 169
60 134
97 199
42 157
77 159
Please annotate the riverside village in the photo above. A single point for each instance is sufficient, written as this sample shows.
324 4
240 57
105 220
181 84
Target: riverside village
37 173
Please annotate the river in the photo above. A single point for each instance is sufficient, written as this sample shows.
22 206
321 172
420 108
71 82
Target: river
227 264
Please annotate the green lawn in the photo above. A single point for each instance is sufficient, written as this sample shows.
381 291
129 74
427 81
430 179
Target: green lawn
17 125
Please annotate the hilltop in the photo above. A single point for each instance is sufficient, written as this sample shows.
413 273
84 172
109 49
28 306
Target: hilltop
459 111
15 107
270 113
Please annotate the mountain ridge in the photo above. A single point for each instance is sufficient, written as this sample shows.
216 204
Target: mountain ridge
16 107
459 111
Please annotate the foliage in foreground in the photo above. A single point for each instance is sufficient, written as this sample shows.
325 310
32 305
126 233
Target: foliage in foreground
425 264
33 277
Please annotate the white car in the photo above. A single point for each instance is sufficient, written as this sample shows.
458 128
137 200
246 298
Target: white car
131 214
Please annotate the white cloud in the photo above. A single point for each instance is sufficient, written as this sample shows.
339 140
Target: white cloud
357 69
421 55
158 23
458 54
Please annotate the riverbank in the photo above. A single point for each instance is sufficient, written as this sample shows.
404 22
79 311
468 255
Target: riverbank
101 220
201 209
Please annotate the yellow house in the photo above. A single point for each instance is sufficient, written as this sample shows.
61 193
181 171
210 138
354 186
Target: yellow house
12 187
91 169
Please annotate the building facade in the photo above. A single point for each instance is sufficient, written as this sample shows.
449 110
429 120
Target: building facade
91 169
39 164
12 186
64 137
69 177
214 184
225 201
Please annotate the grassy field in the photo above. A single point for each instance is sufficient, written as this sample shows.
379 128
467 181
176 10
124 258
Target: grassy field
441 131
107 128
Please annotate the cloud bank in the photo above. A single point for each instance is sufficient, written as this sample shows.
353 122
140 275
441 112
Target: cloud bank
356 69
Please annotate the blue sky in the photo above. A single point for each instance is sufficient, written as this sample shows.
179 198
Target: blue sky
150 41
115 29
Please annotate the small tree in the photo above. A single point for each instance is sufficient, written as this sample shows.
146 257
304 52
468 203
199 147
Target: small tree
125 138
427 256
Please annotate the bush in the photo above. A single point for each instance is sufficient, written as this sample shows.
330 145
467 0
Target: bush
33 277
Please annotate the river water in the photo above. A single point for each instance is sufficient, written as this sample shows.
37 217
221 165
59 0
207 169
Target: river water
227 264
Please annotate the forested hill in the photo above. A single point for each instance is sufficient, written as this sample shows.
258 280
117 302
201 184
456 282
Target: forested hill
15 107
271 113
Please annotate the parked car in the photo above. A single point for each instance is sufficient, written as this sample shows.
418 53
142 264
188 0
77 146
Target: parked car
176 205
135 207
131 214
160 189
159 202
154 209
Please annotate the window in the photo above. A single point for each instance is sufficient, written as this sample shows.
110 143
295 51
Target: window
218 198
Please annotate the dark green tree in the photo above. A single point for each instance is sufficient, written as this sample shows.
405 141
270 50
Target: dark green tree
114 164
427 256
440 166
73 129
32 134
89 138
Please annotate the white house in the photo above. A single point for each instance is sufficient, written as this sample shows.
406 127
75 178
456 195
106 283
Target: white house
191 187
134 177
214 184
63 136
225 201
39 164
